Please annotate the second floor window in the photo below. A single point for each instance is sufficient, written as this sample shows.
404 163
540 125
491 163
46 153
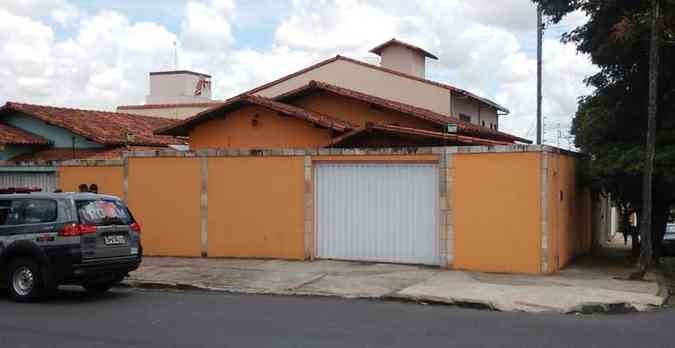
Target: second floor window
465 117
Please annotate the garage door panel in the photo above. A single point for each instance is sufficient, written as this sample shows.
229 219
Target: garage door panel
377 212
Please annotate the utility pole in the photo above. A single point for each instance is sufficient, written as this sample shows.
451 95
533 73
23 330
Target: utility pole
540 37
175 55
652 111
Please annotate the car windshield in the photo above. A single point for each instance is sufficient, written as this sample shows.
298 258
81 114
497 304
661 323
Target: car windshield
103 212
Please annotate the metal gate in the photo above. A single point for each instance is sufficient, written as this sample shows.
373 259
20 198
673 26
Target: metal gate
378 212
44 178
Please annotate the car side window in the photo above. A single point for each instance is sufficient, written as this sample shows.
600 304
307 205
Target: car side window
36 211
10 212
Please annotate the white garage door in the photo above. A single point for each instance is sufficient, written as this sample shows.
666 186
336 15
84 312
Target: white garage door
377 212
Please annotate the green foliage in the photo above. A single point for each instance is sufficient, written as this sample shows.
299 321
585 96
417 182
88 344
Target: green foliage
610 124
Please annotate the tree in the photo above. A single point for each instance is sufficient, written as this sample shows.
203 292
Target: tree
652 109
611 124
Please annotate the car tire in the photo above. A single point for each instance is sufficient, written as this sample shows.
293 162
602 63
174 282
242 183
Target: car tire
26 281
98 288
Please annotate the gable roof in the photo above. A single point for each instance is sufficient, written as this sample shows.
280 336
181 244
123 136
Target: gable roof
425 114
15 136
379 48
383 69
434 138
182 127
108 128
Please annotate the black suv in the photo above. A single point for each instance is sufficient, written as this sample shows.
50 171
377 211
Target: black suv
47 240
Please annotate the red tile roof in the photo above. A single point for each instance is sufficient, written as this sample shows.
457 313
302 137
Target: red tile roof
16 136
425 114
169 106
182 128
441 138
108 128
378 49
51 155
376 67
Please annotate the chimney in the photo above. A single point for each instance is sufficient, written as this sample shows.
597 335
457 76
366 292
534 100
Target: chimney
179 87
403 57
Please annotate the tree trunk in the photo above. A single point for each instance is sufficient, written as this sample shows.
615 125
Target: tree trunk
659 222
646 220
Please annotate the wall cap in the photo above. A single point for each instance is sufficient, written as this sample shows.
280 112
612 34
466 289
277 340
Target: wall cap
252 152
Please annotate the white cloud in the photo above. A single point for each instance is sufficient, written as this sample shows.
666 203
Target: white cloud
60 11
104 64
104 60
563 72
207 25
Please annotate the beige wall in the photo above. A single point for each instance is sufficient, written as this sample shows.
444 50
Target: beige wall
403 59
179 87
176 112
370 81
478 112
388 86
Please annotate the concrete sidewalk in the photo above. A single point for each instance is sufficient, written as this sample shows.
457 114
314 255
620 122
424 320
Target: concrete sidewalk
577 289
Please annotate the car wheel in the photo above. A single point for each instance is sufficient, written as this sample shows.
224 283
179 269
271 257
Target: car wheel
25 280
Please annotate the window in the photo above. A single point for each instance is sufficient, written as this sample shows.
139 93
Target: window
483 123
36 211
465 117
27 211
103 212
9 213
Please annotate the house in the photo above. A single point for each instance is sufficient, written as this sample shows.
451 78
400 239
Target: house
175 94
37 133
342 102
48 135
400 77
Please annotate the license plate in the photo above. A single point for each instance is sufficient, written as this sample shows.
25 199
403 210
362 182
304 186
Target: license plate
114 239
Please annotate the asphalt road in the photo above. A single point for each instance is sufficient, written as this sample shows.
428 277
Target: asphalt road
152 318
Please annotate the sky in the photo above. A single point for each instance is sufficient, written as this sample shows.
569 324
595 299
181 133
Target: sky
97 53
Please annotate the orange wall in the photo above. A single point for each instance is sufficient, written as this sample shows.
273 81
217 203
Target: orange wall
109 179
358 112
164 196
496 213
568 212
272 131
256 207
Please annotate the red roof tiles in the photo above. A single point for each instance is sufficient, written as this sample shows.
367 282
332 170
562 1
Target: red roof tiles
108 128
378 49
51 155
425 114
16 136
184 126
169 106
431 137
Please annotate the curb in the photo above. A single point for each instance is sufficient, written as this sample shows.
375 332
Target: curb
582 309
